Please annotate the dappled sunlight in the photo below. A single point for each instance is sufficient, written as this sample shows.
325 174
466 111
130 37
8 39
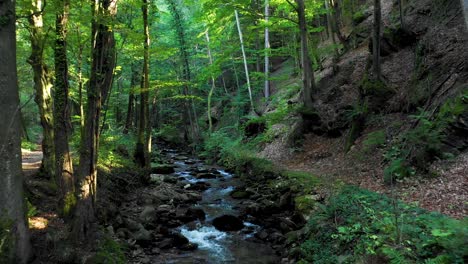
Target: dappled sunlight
38 223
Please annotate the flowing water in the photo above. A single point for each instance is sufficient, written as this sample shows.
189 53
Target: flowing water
215 246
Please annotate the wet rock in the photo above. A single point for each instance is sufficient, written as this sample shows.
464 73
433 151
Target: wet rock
189 247
179 240
201 170
204 175
199 186
181 158
214 171
228 223
162 169
165 243
195 214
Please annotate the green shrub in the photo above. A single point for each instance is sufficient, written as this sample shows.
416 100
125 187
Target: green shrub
358 17
423 143
109 252
357 223
169 133
374 140
28 145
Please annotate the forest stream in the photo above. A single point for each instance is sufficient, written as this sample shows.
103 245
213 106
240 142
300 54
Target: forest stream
206 244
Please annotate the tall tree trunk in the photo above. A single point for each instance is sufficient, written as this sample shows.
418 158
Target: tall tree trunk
80 86
336 22
331 29
307 71
42 86
16 247
267 51
102 71
142 150
376 41
246 66
62 122
131 101
186 75
213 86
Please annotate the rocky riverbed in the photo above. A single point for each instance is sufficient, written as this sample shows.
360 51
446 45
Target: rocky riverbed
191 212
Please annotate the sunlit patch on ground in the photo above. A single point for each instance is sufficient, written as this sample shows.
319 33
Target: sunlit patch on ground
38 223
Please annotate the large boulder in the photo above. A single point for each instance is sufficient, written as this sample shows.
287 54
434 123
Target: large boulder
228 223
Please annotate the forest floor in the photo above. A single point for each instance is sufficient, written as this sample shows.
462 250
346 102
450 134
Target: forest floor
45 226
445 192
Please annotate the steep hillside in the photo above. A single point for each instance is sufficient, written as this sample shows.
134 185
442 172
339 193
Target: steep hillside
415 123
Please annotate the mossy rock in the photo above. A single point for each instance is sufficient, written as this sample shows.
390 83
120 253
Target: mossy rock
306 203
240 194
162 169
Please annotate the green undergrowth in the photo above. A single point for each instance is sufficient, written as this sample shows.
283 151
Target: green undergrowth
352 225
232 153
357 225
109 252
418 146
28 145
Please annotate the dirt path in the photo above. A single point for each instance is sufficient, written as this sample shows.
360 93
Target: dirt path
31 161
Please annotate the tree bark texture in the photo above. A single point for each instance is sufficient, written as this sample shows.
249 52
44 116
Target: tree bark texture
267 51
62 122
186 73
16 246
102 72
143 146
213 84
42 86
131 101
246 66
307 71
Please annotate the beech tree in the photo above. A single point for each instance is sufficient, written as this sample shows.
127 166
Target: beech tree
62 124
190 111
267 50
143 146
308 79
14 235
102 71
246 66
42 84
